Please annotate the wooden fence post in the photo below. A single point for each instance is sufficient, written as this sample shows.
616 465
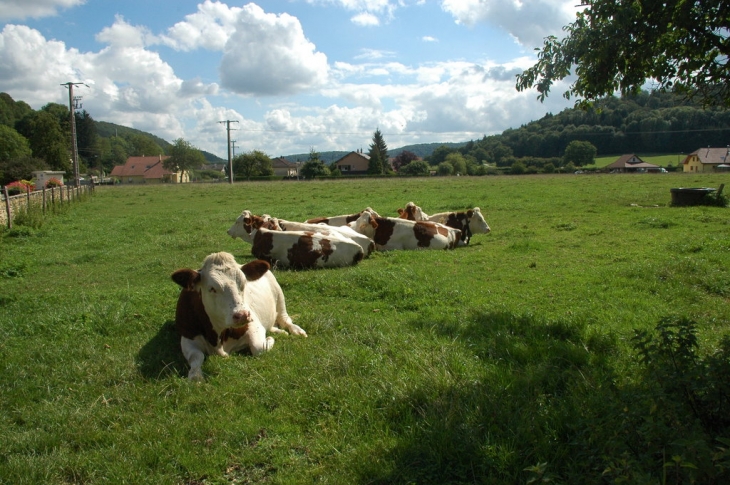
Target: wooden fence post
44 199
7 207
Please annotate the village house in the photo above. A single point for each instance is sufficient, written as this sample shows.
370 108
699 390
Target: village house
284 168
631 163
147 170
707 160
354 163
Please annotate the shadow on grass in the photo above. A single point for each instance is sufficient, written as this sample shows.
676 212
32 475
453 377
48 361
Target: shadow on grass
543 396
161 356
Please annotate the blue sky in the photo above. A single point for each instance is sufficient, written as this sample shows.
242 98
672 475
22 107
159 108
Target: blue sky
294 74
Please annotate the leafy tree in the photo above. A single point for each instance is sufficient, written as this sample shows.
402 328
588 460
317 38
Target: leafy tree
404 158
416 167
183 157
13 145
144 146
21 168
680 45
47 139
445 168
580 153
439 155
252 164
458 162
314 167
517 168
11 111
87 141
378 154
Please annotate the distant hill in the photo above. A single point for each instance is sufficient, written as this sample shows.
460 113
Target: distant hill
106 129
422 150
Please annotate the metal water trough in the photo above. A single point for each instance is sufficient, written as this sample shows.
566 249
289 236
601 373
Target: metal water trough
684 196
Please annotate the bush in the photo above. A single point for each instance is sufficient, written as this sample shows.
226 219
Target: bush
53 182
20 187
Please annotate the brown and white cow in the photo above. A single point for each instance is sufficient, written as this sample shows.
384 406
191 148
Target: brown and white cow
247 222
367 244
224 307
394 233
340 220
469 222
304 249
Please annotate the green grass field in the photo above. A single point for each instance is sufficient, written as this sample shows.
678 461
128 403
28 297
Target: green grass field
510 360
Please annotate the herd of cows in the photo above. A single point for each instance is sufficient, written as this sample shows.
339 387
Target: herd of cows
225 307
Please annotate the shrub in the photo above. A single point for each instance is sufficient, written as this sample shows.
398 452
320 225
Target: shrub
20 187
53 182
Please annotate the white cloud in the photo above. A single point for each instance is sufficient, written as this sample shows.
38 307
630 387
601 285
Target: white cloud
365 19
123 34
268 54
209 28
428 38
23 9
528 21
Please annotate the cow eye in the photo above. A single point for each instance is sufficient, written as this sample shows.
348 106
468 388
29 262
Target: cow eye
212 290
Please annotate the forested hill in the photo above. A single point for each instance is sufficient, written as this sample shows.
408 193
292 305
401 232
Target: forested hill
645 123
106 129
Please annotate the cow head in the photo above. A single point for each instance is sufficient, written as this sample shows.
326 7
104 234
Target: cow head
477 223
221 282
247 222
412 212
365 224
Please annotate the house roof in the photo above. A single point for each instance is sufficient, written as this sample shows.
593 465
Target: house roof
711 155
147 167
630 161
281 162
360 154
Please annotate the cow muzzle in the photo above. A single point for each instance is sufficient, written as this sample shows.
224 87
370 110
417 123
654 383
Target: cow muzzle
241 318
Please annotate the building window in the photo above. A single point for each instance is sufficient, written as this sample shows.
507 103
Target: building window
345 168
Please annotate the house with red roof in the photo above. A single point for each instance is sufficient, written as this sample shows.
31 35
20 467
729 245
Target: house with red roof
147 170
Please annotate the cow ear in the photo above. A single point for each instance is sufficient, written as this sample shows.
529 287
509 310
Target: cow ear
373 222
186 278
255 269
470 213
400 211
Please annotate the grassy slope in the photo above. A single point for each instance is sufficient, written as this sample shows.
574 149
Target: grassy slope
432 367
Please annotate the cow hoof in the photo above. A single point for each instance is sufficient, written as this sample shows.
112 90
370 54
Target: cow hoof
196 375
269 343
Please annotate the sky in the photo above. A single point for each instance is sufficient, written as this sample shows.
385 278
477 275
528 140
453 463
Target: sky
290 75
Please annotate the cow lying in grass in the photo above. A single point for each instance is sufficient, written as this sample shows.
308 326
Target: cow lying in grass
469 222
304 249
393 233
224 307
247 222
342 220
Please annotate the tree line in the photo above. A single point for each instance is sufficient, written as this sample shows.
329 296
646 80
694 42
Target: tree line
656 122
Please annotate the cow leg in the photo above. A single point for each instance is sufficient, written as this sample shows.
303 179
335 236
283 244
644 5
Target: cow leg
258 342
283 321
194 352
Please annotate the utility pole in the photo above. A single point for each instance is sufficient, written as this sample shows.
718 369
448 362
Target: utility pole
230 160
233 147
74 146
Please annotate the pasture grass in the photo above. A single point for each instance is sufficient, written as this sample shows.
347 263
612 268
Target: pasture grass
512 359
